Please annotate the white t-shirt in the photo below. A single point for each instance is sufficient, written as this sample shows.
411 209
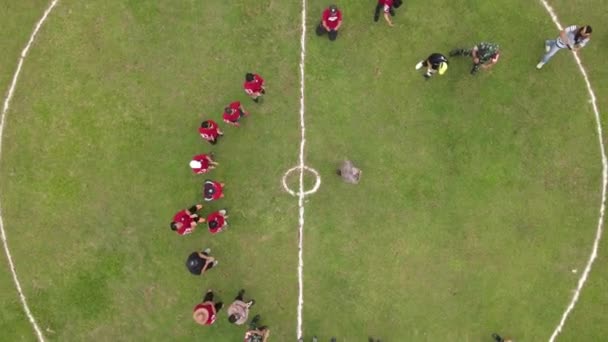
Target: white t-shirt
571 34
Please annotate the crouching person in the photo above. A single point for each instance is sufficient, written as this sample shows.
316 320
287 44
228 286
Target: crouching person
349 173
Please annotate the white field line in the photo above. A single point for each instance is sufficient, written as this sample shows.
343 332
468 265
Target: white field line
600 224
7 102
302 165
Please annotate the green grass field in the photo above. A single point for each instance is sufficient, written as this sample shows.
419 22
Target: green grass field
479 196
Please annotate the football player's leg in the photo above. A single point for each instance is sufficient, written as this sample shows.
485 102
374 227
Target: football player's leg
320 29
333 34
377 12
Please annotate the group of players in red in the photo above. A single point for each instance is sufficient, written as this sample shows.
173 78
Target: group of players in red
185 221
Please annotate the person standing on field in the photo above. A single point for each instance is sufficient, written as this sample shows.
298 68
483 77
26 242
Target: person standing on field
387 7
185 221
572 37
254 86
484 55
239 309
199 262
205 313
202 163
436 62
330 22
233 113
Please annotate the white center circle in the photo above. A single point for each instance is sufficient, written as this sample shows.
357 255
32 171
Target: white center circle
299 168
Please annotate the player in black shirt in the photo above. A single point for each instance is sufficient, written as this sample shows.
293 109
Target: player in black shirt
436 62
199 262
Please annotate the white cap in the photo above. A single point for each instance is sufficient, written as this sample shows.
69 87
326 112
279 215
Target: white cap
195 164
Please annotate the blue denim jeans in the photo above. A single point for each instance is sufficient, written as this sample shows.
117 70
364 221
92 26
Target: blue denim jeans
553 48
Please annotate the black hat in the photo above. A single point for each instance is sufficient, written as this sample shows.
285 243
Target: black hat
194 263
208 189
213 224
333 9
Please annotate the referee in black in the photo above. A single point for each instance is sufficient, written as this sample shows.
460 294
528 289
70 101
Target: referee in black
434 63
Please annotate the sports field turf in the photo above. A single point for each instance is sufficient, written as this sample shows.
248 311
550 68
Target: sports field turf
479 195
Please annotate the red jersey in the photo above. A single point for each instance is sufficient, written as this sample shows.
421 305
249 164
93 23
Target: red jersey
254 86
204 160
184 218
332 20
219 219
211 132
210 311
236 112
388 4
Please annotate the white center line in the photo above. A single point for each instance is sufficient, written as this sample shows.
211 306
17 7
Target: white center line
302 166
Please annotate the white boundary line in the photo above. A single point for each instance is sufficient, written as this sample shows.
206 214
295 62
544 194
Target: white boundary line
302 165
600 224
7 102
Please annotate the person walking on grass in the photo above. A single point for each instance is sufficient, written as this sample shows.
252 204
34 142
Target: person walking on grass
239 309
212 190
205 313
202 163
572 37
186 220
210 131
331 21
199 262
484 55
217 221
233 113
349 173
256 333
254 86
387 7
434 63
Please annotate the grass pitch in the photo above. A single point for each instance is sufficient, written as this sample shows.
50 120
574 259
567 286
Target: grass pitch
479 194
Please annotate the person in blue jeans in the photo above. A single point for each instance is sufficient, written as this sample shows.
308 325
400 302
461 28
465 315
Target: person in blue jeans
572 38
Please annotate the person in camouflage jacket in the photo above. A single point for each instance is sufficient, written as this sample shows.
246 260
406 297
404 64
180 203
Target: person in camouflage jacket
484 55
256 333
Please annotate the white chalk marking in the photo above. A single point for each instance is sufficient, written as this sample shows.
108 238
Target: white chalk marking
301 168
308 192
600 224
7 102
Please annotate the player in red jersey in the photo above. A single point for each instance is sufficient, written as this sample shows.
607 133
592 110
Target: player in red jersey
254 86
185 221
205 313
387 7
210 131
212 190
233 113
330 22
217 221
202 163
